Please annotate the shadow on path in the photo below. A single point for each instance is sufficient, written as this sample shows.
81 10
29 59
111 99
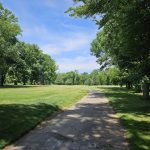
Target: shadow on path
90 125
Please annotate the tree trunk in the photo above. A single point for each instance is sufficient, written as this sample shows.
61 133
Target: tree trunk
2 79
31 81
121 84
15 82
126 85
145 89
1 84
129 85
138 88
73 81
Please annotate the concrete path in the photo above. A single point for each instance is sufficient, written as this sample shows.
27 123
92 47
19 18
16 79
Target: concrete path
90 125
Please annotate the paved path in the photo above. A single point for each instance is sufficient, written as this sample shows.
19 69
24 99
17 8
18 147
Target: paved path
90 125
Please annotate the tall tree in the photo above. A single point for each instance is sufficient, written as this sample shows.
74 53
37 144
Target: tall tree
9 29
125 34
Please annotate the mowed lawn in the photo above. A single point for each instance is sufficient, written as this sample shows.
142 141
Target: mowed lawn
134 113
21 109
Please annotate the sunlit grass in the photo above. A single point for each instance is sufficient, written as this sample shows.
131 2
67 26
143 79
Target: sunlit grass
21 109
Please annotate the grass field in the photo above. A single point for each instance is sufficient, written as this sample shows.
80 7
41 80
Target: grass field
134 113
21 109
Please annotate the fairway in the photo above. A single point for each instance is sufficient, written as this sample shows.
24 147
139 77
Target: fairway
21 109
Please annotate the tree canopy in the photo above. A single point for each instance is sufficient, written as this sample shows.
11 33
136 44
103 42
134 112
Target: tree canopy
124 36
20 61
110 76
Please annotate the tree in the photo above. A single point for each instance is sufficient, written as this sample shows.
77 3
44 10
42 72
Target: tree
20 61
95 77
20 70
9 29
32 65
124 35
47 72
83 78
71 77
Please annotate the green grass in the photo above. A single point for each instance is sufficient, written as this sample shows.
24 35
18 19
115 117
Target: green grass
134 113
21 109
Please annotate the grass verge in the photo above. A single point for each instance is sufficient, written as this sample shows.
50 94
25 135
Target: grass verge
134 113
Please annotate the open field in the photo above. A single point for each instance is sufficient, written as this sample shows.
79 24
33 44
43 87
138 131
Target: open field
21 109
134 113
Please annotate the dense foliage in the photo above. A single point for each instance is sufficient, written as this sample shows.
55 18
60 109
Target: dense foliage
124 38
109 76
19 61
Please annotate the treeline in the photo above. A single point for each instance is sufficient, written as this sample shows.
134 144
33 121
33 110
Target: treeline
109 76
124 38
21 62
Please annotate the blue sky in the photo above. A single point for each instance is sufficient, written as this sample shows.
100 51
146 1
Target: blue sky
65 38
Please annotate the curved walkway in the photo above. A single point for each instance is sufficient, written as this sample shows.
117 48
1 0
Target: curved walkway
89 125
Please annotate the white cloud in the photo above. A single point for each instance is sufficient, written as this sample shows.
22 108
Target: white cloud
66 42
35 31
73 42
57 3
50 3
81 63
56 43
71 26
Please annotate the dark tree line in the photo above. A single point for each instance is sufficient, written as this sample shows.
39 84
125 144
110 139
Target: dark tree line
124 38
21 62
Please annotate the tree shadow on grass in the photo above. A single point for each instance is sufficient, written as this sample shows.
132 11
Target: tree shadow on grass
17 119
132 109
125 101
89 126
17 86
139 132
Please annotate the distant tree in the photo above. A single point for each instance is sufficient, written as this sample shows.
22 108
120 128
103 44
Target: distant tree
32 65
83 78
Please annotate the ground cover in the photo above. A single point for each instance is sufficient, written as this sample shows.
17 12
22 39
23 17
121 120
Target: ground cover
134 113
22 108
